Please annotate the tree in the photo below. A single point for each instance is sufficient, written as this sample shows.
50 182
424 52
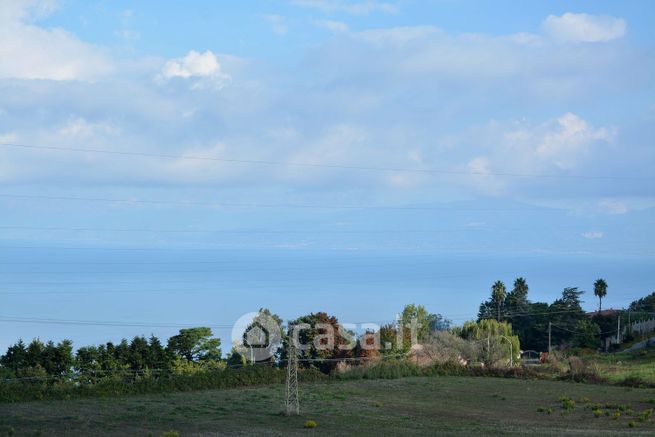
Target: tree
236 359
195 344
517 299
498 293
565 313
15 358
138 356
389 339
494 338
262 338
587 334
158 356
600 291
607 324
322 341
486 310
642 309
439 323
87 359
418 316
532 326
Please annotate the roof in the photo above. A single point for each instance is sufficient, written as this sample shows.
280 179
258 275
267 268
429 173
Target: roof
607 312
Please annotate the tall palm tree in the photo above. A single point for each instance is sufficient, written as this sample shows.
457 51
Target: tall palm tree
520 289
498 293
600 291
517 299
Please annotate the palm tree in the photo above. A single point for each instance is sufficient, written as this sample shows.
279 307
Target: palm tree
518 297
498 293
520 289
600 291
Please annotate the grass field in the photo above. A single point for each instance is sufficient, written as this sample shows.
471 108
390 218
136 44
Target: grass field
618 366
408 406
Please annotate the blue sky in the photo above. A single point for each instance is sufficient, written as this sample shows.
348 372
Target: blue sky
403 127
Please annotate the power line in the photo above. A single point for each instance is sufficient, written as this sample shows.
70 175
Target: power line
269 231
262 205
319 165
48 321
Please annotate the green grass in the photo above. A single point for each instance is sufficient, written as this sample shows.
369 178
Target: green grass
619 366
406 406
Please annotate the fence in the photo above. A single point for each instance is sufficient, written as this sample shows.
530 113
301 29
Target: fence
643 327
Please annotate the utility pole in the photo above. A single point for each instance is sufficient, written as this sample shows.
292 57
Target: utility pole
489 348
292 402
549 329
618 329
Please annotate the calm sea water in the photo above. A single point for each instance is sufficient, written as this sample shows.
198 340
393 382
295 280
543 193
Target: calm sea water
151 288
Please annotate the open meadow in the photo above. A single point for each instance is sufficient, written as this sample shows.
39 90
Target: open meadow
407 406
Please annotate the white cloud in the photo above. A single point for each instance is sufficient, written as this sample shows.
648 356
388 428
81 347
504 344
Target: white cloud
572 27
351 7
395 35
592 235
204 67
481 176
31 52
79 127
558 144
611 206
278 24
332 25
570 137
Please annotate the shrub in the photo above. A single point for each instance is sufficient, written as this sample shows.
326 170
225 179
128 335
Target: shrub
633 381
171 434
126 384
598 413
567 403
310 424
631 424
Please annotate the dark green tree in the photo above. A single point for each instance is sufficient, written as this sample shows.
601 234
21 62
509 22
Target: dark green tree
195 344
320 337
600 291
15 358
271 342
236 360
498 294
87 359
587 334
517 299
565 313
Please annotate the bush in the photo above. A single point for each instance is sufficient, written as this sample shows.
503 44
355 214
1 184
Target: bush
126 384
445 347
633 381
310 424
567 403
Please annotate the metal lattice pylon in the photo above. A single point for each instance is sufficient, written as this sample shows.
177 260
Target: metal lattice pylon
292 402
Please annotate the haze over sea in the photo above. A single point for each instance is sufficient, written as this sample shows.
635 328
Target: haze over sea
181 165
215 287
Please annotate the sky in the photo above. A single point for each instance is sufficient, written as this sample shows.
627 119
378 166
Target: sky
377 152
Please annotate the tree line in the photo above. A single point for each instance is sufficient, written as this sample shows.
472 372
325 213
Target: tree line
571 326
522 322
196 349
